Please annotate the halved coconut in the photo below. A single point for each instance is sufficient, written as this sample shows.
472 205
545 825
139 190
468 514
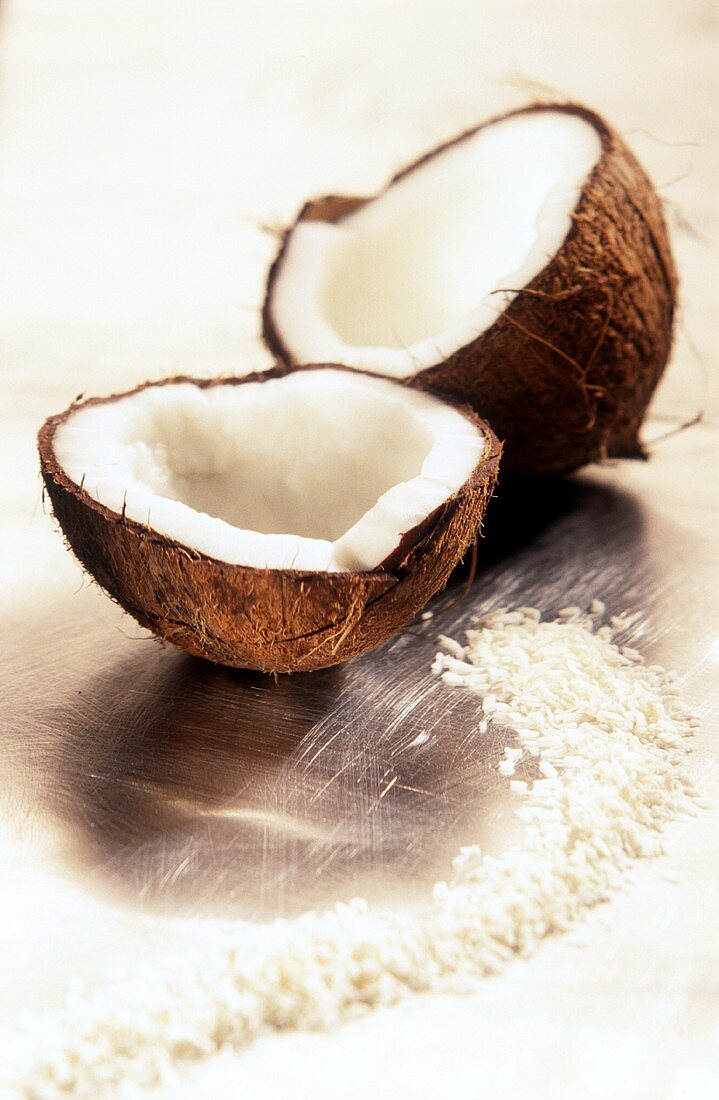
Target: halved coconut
278 521
523 267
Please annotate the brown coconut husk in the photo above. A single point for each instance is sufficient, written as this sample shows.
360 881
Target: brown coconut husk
268 619
566 373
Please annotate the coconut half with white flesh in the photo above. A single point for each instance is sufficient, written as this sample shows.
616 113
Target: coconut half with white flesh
278 521
523 268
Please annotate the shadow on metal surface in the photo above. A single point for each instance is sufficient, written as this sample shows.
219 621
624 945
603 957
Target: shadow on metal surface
237 795
187 788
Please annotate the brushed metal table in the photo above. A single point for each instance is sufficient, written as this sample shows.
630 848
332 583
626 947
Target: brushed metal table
144 793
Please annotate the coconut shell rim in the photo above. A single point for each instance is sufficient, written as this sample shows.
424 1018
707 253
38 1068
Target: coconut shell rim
390 568
332 208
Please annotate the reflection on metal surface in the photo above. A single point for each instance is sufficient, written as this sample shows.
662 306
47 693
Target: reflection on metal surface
186 788
233 793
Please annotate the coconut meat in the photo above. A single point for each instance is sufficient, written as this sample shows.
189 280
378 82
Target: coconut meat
316 470
403 282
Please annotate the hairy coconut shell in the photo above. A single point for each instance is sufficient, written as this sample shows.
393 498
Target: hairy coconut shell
275 620
566 373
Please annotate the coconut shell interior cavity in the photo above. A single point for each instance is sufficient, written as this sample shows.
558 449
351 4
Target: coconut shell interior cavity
523 268
278 521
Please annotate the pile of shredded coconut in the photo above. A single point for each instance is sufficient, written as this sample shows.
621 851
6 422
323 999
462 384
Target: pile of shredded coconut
606 734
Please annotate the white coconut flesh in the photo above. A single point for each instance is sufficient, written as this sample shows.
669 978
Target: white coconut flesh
402 283
318 470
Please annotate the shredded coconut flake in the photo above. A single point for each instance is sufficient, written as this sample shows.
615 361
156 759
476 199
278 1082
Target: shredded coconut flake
609 733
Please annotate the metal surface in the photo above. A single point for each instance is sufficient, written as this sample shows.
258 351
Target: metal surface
187 789
140 153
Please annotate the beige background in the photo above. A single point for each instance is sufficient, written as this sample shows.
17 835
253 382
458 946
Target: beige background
142 147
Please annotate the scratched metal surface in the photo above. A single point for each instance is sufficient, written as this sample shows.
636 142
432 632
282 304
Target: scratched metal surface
180 788
143 793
